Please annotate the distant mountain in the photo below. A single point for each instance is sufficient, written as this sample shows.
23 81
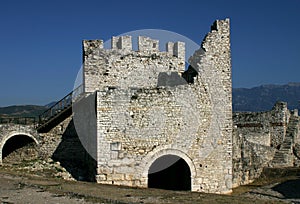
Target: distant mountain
22 111
264 97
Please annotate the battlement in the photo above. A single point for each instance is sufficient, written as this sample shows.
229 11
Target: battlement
124 66
148 44
145 44
121 42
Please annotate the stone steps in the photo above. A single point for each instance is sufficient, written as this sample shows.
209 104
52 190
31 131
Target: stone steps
284 156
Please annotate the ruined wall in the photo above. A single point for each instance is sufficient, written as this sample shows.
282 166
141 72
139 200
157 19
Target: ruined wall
266 128
7 131
141 118
63 145
257 136
49 141
249 158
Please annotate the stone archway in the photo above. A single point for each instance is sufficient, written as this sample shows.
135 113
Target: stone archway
183 163
169 172
14 141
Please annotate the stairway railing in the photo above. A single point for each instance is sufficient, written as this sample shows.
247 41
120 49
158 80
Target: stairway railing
61 105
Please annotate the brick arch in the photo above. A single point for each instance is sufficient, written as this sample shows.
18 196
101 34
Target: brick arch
153 156
13 134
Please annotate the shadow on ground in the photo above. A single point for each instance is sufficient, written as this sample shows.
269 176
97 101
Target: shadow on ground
289 189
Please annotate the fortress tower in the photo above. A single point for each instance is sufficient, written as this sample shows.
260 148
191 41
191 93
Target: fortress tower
150 123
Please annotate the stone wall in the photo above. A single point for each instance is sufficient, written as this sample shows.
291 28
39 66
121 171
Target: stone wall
249 159
50 141
266 128
63 145
123 67
257 136
146 110
7 131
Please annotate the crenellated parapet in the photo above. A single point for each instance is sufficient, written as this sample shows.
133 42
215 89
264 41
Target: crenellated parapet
145 44
123 67
121 42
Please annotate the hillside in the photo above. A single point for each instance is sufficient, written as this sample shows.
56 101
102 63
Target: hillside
22 111
263 98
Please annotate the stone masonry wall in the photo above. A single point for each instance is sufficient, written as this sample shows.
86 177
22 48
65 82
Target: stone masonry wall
266 128
8 131
123 67
249 159
256 137
140 119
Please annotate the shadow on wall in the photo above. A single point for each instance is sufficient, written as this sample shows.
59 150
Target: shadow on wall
174 79
170 79
190 74
73 157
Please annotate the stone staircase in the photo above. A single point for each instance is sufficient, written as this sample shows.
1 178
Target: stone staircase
59 111
284 156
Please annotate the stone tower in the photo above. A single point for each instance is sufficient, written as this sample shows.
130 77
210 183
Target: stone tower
146 118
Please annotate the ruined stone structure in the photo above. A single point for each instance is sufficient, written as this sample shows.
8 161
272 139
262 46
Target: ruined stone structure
14 136
264 139
146 110
144 121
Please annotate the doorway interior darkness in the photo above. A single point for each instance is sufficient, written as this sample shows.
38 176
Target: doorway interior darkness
14 143
170 172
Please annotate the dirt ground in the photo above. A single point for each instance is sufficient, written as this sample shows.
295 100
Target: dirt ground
19 186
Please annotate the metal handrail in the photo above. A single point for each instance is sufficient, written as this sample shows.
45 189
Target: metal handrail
61 105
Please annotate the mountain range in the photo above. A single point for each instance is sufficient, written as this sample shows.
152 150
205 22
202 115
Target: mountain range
261 98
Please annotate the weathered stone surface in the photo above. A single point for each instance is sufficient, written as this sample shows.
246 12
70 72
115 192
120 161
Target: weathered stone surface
146 110
263 139
9 131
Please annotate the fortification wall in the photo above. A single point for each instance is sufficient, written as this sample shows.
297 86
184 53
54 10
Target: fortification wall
265 128
123 67
63 145
141 117
249 159
256 138
7 131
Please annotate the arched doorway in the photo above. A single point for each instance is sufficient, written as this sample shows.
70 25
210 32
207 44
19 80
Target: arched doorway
26 144
170 172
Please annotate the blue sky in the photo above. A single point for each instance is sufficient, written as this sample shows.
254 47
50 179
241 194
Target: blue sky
41 41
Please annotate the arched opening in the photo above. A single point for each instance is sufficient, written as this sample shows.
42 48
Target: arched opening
18 148
170 172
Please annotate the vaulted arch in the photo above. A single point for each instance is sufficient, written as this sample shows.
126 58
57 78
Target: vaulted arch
14 141
169 172
173 162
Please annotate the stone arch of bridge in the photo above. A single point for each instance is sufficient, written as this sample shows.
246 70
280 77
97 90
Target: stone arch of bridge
12 135
154 156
